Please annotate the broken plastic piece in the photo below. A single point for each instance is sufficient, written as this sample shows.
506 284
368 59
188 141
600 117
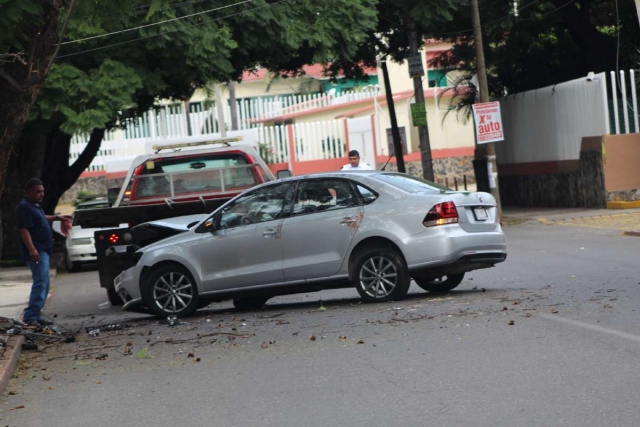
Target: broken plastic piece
94 332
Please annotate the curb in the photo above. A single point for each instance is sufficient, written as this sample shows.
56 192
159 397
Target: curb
9 360
624 205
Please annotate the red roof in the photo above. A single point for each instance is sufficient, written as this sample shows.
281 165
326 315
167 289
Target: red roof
315 71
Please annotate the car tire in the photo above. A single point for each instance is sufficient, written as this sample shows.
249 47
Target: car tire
441 284
393 281
250 303
114 298
70 266
170 290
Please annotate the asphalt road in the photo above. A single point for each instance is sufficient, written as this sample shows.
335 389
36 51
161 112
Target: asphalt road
570 358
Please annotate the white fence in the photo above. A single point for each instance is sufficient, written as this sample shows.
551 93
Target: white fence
313 141
623 102
548 124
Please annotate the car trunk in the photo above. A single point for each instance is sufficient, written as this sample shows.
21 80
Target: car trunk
477 211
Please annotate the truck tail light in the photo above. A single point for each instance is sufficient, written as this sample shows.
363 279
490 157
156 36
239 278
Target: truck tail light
441 214
114 238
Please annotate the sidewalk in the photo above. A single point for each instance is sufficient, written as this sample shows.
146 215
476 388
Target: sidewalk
15 287
626 221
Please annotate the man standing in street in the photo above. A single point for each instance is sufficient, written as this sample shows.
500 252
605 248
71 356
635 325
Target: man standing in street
355 164
37 243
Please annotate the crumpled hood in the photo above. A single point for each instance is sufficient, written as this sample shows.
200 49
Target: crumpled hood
179 222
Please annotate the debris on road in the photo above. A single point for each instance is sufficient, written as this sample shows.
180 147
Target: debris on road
312 338
107 328
511 323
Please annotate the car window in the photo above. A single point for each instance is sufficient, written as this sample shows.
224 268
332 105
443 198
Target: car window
319 195
367 195
265 204
410 184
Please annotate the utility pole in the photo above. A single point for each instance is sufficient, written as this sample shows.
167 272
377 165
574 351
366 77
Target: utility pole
395 133
483 86
423 130
222 126
233 103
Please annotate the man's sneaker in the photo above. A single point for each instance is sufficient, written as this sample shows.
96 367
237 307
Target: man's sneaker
44 322
32 324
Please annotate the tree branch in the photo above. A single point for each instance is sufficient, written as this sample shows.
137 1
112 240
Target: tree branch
88 154
13 82
64 29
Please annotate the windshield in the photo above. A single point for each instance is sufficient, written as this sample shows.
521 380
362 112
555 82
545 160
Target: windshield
100 205
410 184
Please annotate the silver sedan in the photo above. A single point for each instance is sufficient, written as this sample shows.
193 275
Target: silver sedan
375 231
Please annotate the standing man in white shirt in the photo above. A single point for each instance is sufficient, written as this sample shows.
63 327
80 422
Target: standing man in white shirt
355 164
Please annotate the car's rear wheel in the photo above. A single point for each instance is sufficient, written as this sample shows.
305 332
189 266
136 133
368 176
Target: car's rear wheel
250 303
440 284
381 274
171 291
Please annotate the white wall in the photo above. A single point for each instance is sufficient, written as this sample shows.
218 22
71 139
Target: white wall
548 124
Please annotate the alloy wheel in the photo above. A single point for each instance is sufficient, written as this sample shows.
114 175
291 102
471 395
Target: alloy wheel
378 277
173 292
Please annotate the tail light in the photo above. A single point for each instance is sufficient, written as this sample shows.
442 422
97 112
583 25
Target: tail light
441 214
114 238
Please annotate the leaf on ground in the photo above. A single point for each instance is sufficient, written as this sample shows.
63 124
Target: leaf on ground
511 323
361 342
342 338
554 311
312 338
17 407
264 345
144 354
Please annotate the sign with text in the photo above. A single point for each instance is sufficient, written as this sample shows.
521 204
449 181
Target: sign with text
403 140
415 65
488 122
419 114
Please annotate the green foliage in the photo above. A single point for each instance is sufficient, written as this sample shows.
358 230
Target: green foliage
82 196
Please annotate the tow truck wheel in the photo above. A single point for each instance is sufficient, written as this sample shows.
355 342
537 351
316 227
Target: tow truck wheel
250 303
114 299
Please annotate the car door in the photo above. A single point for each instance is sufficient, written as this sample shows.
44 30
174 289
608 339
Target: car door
324 219
245 249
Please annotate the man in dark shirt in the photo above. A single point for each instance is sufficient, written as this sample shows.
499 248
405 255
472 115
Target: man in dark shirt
37 243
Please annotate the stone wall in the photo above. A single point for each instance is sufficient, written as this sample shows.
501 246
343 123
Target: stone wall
94 184
581 187
443 169
624 195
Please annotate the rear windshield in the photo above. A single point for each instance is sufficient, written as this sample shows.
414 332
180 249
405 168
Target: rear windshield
193 176
185 164
410 184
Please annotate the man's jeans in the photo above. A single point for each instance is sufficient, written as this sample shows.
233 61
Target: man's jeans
39 289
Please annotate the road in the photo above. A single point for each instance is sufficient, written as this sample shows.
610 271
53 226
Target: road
571 356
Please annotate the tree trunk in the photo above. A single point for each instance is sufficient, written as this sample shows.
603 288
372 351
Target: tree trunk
20 80
58 176
26 163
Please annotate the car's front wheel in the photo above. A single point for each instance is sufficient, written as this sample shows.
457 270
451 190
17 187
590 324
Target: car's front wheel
171 291
440 284
381 274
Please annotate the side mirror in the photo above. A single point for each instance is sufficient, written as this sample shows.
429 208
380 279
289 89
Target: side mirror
112 195
284 173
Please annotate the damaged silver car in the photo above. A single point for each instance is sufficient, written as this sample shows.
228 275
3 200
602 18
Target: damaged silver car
375 231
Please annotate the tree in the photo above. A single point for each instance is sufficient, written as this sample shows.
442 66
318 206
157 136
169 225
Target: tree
99 83
401 24
551 41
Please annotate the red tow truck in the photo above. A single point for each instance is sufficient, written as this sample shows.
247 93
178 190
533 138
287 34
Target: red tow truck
177 180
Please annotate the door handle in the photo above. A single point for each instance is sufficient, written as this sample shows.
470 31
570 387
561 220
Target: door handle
269 232
348 221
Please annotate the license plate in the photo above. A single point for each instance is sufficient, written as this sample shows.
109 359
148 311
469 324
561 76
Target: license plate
480 214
